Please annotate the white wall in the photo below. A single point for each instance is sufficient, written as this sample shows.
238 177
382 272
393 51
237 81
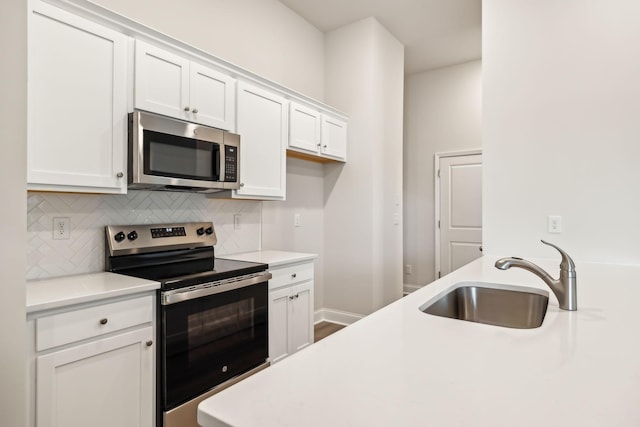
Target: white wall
305 196
262 36
442 114
13 128
561 120
363 247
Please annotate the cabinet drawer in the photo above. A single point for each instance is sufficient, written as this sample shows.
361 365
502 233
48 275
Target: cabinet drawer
290 275
64 328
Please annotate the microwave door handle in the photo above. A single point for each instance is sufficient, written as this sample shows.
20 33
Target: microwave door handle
219 159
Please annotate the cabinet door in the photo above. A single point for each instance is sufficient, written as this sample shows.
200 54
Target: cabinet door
262 125
77 104
103 383
279 324
301 312
304 128
212 97
161 82
334 138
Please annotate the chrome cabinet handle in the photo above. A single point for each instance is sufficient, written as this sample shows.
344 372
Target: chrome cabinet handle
294 275
242 184
103 321
195 111
149 343
187 108
119 174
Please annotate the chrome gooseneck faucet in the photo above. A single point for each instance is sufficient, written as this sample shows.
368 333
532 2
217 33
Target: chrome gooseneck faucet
564 287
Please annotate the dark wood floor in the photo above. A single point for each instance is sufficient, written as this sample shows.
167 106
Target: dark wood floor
324 329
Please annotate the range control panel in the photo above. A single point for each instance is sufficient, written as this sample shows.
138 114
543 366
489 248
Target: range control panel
131 239
168 232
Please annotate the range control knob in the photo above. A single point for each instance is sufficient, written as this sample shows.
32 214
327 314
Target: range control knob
119 236
132 236
209 230
200 231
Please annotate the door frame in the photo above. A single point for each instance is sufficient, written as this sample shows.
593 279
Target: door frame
436 216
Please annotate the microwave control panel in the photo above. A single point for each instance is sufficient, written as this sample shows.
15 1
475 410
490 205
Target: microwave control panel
230 164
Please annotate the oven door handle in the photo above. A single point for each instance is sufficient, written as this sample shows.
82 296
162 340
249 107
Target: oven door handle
180 295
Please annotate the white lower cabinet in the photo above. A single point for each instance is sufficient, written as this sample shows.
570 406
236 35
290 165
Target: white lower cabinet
94 366
290 310
107 382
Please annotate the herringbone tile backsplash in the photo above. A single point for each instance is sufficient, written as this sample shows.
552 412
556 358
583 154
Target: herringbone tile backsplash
83 252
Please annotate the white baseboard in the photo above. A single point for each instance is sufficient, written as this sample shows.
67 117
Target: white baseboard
336 316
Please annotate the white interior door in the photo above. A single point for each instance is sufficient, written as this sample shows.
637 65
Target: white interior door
460 219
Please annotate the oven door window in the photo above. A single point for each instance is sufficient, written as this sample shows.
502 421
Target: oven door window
180 157
212 339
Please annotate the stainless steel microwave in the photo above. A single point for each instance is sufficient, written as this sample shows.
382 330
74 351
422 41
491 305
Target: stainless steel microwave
174 155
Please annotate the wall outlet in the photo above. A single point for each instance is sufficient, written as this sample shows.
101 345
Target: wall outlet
408 269
296 220
555 224
61 228
236 221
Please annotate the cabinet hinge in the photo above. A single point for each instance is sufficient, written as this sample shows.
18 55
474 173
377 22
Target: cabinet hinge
438 224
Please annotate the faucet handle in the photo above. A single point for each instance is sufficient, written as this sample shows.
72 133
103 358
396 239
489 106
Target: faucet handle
567 263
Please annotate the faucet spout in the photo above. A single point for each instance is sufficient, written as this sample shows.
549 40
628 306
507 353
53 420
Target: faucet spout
564 288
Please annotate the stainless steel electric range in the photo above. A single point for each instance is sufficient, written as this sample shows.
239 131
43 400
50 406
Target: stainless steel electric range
211 313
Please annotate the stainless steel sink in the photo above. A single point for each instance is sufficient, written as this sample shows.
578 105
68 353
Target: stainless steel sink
493 304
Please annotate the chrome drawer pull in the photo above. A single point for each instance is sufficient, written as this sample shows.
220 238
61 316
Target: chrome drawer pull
103 321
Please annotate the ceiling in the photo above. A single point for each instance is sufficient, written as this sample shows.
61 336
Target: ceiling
436 33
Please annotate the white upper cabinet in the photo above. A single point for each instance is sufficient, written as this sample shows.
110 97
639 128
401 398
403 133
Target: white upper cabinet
77 104
172 85
334 138
84 76
263 119
305 128
317 134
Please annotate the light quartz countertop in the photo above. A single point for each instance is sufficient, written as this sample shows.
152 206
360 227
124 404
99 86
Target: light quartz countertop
271 257
46 294
401 367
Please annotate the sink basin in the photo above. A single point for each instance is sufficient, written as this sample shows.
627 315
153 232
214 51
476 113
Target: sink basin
493 304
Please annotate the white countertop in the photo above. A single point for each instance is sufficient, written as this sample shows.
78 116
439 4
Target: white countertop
46 294
271 257
401 367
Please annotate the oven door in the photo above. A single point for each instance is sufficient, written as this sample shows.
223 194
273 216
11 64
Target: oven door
211 338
